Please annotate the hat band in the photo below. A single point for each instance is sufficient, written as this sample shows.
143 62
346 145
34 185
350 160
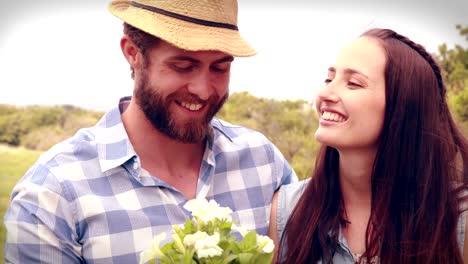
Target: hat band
184 18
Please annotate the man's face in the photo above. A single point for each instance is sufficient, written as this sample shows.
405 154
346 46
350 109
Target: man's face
180 91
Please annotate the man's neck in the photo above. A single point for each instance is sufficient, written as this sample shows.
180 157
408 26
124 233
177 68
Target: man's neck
164 157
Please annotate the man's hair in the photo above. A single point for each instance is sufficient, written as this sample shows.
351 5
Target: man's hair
417 184
144 41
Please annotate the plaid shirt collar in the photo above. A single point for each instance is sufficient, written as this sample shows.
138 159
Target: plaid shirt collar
114 146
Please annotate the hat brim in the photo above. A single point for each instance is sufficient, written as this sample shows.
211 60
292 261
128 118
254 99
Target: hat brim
183 34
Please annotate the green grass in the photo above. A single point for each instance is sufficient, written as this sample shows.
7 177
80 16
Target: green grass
13 164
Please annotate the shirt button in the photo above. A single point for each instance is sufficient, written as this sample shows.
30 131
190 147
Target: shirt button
135 165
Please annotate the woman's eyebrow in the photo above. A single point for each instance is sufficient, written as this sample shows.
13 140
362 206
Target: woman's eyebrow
348 71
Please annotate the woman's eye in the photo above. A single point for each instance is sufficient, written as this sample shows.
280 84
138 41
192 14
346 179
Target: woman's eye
353 84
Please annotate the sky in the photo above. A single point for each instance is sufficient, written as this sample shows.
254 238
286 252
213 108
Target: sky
67 52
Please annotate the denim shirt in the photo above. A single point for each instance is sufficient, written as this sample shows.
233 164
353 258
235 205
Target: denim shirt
288 197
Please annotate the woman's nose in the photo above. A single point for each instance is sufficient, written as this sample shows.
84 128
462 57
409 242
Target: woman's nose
328 93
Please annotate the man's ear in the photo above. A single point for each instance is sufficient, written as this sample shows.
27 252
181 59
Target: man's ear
131 52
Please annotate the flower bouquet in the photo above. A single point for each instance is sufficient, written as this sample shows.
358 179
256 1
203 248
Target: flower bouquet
208 239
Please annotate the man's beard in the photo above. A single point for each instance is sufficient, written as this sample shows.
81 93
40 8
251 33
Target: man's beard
156 109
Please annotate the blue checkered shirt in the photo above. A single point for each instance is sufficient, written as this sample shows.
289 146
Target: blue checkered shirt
88 200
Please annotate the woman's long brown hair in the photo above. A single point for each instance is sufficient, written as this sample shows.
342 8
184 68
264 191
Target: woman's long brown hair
419 174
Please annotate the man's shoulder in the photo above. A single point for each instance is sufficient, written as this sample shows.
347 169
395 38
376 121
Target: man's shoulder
61 163
236 132
80 146
230 138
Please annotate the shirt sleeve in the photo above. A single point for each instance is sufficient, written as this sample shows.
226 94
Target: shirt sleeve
288 196
39 221
284 173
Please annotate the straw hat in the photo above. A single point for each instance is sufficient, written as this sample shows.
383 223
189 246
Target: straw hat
188 24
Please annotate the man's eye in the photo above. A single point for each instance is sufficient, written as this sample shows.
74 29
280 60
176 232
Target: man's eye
217 69
182 68
220 68
327 81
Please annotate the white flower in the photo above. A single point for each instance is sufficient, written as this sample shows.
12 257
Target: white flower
208 246
203 248
205 245
243 231
207 211
178 243
209 252
153 251
189 240
265 243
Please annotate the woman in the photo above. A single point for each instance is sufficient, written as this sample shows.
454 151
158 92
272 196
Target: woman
389 184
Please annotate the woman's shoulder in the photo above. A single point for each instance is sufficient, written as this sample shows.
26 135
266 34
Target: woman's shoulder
462 233
288 195
291 192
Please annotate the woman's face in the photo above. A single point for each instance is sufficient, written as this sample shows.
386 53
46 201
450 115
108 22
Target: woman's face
351 104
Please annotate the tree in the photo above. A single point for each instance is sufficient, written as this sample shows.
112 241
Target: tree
454 64
39 127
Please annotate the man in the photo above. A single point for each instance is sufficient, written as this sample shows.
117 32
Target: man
102 195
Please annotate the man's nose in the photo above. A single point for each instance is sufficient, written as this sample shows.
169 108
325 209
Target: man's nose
201 85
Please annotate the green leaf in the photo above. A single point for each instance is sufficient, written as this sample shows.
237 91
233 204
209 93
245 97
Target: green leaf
189 227
264 259
225 245
224 228
245 258
188 257
229 259
249 242
235 248
166 248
